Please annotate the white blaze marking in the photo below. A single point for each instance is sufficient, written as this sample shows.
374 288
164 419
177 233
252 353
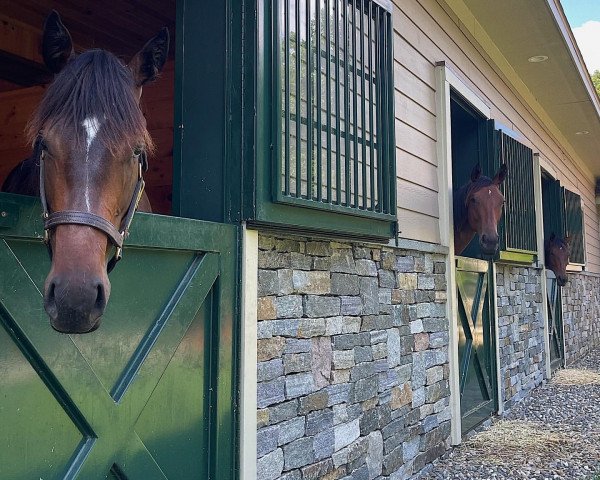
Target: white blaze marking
91 125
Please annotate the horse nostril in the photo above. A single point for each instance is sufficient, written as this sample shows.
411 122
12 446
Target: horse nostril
483 239
100 303
50 301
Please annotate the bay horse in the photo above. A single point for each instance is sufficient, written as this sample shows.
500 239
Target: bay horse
90 145
477 210
556 254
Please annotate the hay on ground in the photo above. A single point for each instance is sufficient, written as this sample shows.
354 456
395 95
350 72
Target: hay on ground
574 376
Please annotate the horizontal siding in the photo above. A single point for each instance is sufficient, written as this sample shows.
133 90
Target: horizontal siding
426 32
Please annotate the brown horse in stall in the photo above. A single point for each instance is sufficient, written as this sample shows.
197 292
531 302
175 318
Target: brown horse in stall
556 254
477 210
90 143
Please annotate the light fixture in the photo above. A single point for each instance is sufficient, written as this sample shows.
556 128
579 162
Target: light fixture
582 132
538 58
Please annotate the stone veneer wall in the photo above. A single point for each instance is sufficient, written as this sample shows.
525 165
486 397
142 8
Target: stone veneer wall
352 360
521 331
581 314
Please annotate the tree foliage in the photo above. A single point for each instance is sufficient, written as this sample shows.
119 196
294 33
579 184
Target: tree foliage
596 80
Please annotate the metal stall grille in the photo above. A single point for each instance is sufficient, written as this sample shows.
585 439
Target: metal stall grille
574 222
517 230
333 118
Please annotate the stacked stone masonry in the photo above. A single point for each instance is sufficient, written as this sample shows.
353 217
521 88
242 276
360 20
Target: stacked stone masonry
520 331
352 360
581 315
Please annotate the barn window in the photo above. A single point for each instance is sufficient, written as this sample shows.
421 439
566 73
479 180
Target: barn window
574 226
331 132
517 230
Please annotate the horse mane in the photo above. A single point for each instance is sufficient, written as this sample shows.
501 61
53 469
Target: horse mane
558 241
94 83
460 199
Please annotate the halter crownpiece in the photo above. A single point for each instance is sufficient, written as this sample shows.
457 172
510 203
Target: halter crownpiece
74 217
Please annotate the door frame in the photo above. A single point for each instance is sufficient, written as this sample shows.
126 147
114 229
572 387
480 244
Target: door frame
538 163
446 80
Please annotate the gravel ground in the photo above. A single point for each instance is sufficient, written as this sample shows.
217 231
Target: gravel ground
554 434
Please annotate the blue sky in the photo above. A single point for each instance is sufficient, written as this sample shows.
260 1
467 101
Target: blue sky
584 17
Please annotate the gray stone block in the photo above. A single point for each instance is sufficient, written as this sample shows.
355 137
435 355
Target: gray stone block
344 284
270 466
298 453
270 392
318 306
269 370
299 384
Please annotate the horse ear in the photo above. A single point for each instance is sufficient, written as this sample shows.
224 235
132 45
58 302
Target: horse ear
501 175
149 61
568 240
57 46
552 236
476 172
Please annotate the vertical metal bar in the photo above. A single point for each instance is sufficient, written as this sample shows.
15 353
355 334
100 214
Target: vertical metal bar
391 120
385 74
338 155
328 97
318 102
298 108
346 108
363 102
286 15
276 106
371 123
355 104
380 101
309 104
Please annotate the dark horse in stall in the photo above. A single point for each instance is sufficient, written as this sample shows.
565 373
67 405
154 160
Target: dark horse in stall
477 210
556 254
90 143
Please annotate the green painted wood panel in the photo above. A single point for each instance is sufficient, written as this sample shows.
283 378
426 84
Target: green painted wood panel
150 393
476 348
555 325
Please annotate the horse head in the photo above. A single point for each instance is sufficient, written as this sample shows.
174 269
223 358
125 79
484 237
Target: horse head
556 252
90 140
479 211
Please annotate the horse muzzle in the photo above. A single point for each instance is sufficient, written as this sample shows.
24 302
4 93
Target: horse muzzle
561 280
75 306
488 244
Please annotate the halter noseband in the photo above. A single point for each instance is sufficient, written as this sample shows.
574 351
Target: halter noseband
74 217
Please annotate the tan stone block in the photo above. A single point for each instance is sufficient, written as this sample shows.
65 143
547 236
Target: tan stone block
421 341
266 309
269 348
401 396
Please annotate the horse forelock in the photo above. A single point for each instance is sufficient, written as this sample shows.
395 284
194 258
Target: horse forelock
93 84
461 200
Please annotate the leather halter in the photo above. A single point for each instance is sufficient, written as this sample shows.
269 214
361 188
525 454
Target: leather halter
74 217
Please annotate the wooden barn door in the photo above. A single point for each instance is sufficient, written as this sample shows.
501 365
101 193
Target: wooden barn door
555 327
553 206
476 345
149 395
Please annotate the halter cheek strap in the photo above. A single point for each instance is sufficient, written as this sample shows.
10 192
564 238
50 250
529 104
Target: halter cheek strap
74 217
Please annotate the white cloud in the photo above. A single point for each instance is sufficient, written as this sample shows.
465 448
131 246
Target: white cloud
588 39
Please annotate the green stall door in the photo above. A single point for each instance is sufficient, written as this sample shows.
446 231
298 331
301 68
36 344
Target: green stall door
476 349
149 395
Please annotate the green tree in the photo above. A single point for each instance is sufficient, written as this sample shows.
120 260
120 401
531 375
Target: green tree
596 80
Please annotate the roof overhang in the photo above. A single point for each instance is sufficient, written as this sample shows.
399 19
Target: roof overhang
559 90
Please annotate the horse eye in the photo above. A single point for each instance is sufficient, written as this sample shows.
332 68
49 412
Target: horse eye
137 151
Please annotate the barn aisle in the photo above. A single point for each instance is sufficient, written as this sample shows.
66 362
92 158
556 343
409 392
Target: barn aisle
554 434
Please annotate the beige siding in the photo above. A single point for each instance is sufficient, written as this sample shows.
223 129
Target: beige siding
426 32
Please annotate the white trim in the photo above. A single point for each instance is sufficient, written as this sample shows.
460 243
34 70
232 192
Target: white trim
445 79
499 382
539 219
248 355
